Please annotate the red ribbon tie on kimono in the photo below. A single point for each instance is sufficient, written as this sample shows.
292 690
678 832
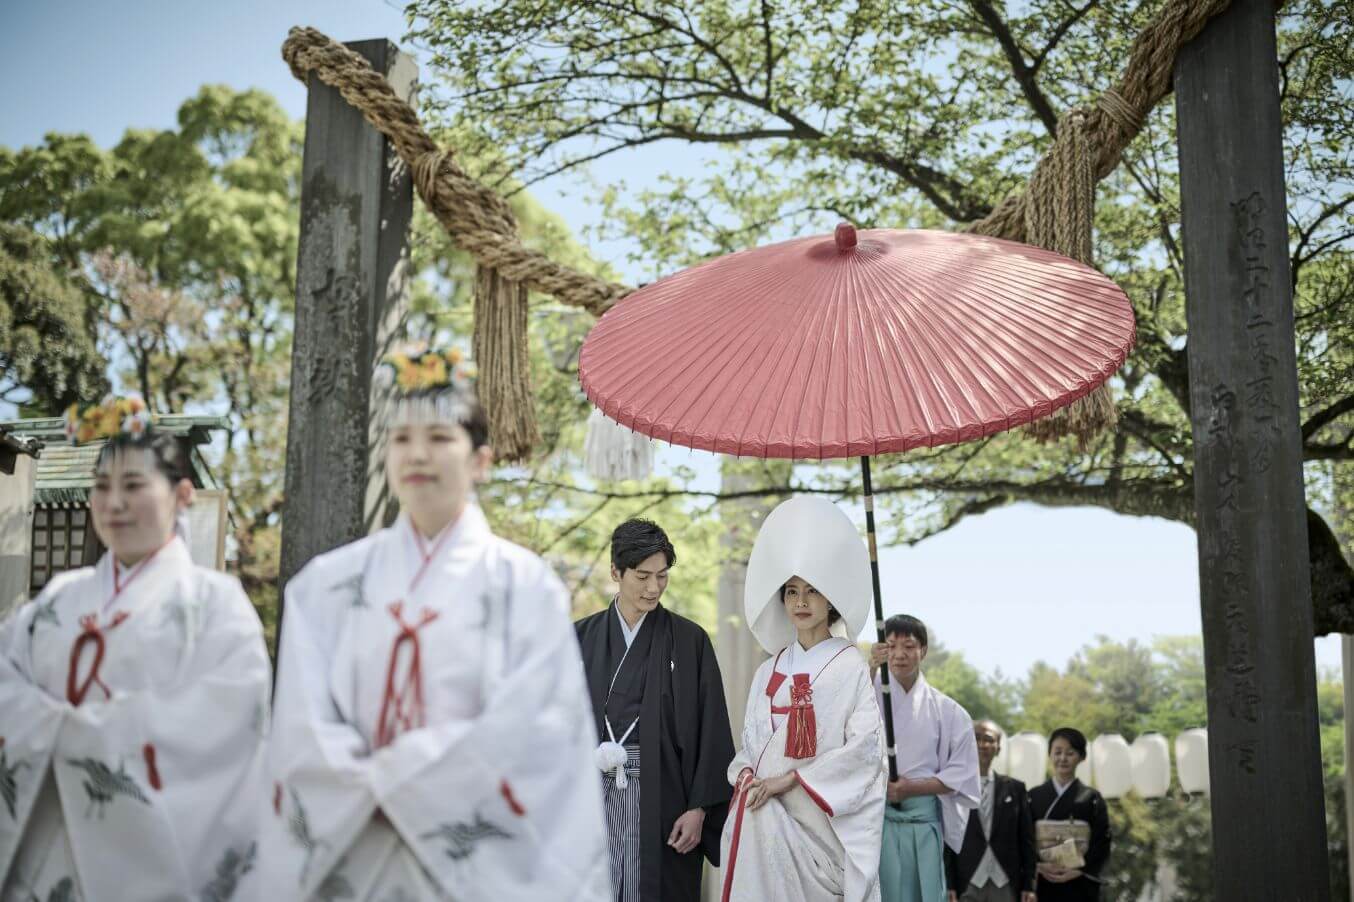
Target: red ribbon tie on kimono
152 772
801 733
513 805
801 736
402 709
92 633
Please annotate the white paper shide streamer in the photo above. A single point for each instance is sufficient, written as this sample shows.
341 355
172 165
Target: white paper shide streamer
613 453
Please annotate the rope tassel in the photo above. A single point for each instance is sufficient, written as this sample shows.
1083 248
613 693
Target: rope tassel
503 357
1059 213
801 733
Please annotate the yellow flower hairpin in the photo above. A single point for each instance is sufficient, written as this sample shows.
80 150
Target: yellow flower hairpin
114 416
427 370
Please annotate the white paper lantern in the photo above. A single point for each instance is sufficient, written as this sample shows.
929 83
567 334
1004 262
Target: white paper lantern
1151 765
1112 764
1084 773
1191 760
1027 759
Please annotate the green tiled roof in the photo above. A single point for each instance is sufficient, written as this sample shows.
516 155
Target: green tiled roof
65 472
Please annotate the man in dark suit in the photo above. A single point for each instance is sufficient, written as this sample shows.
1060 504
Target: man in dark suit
997 862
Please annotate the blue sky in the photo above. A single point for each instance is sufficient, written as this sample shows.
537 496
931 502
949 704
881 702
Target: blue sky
1008 588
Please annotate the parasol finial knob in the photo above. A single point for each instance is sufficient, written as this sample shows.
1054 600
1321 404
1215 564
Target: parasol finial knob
845 236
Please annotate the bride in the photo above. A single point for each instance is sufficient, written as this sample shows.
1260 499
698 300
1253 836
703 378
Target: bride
808 808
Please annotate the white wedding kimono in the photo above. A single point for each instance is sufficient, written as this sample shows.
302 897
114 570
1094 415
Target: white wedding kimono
819 840
133 713
432 733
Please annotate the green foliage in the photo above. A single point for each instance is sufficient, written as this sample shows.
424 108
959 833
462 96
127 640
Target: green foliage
48 358
918 114
983 697
178 248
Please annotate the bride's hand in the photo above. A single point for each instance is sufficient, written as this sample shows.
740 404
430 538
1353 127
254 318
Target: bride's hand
762 791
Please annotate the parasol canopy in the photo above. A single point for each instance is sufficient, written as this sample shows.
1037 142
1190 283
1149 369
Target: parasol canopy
856 344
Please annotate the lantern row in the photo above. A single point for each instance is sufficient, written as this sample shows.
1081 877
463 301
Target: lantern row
1113 765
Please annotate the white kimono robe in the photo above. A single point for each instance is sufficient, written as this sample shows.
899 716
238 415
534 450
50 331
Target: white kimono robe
934 738
819 840
149 786
433 737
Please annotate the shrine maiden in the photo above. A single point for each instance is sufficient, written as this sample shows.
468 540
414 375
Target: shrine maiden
133 700
809 779
433 737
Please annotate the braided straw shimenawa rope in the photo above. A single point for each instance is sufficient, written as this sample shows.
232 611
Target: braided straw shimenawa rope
1055 211
479 220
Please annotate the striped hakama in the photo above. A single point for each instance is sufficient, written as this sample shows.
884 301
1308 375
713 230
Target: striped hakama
621 807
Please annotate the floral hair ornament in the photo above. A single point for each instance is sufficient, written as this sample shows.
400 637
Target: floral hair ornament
428 370
427 385
114 416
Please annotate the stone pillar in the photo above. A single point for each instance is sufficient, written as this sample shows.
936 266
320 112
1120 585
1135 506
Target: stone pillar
351 300
1264 754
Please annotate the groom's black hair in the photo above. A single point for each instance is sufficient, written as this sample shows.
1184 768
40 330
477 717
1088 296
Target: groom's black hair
635 541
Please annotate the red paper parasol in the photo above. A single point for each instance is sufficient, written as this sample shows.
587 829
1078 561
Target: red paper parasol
850 345
823 348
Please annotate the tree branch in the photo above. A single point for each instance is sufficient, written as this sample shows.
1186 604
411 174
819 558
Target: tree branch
1060 32
1166 498
967 509
1025 74
1329 415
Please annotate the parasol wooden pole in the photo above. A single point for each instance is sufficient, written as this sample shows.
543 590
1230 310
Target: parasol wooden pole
879 617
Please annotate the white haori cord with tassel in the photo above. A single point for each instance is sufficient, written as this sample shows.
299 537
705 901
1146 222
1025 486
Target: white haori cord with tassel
611 754
614 453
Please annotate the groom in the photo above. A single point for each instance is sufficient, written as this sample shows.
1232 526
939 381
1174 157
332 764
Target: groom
666 744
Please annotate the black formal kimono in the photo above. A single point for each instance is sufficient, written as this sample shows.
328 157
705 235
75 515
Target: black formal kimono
671 680
1079 802
1011 839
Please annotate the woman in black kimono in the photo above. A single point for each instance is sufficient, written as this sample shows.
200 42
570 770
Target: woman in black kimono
1065 798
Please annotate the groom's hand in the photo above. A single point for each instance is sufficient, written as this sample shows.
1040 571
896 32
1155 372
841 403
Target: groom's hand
686 832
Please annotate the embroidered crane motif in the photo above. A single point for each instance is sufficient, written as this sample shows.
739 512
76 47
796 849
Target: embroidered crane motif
462 838
103 784
62 891
299 827
229 870
335 886
352 586
9 784
186 614
44 613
